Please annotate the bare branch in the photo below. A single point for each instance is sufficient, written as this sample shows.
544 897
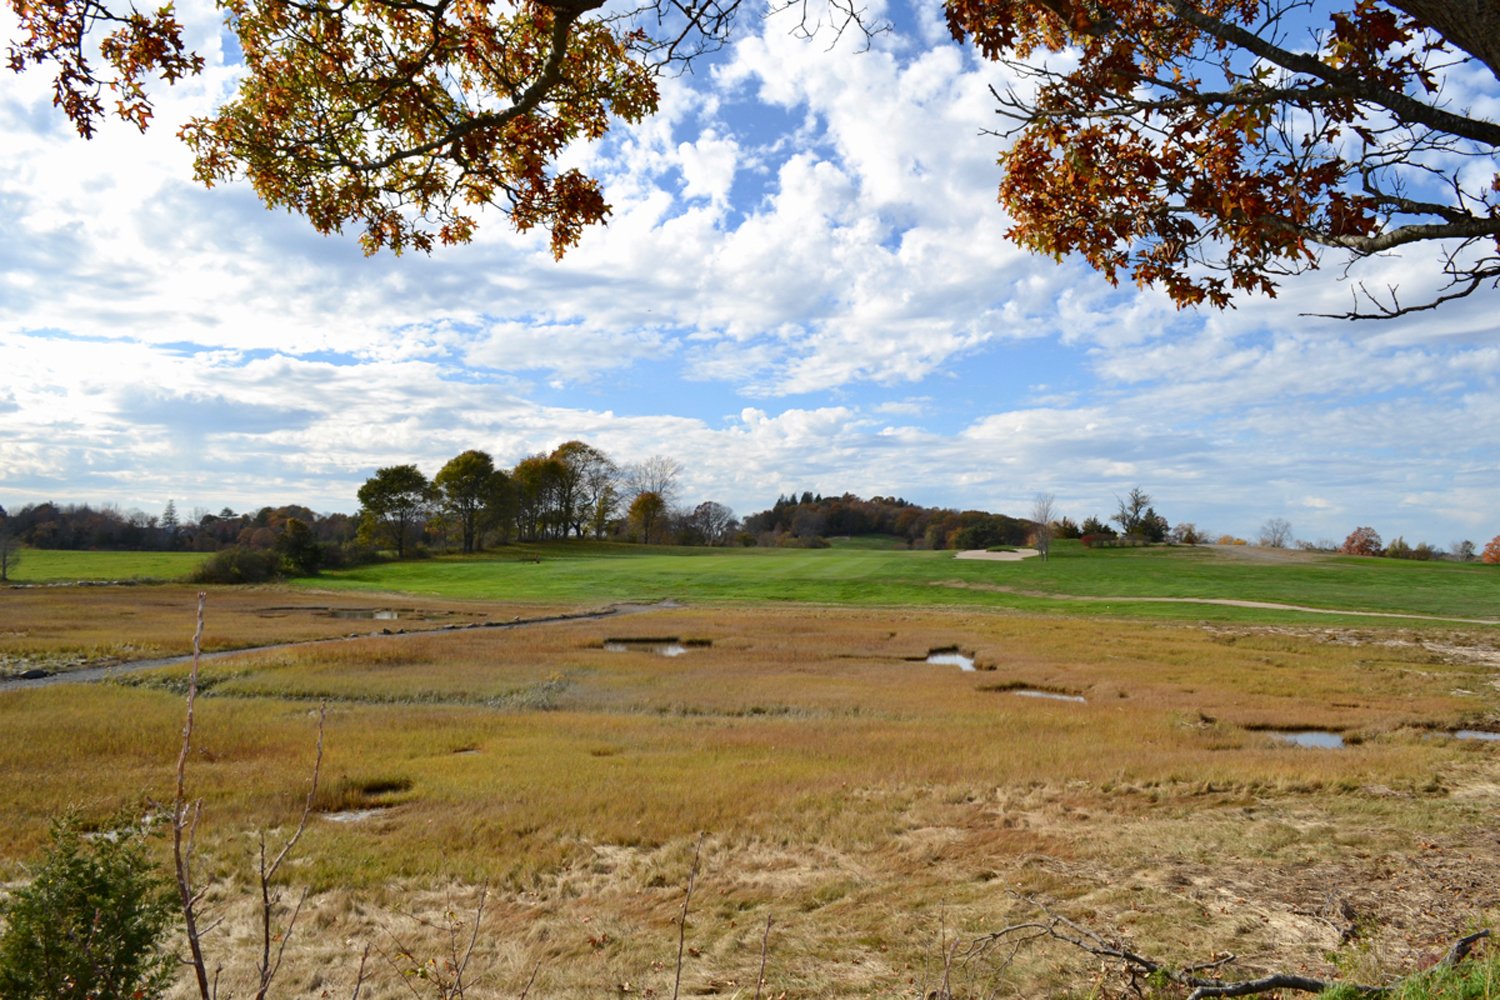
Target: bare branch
1402 105
184 827
682 920
1060 928
760 979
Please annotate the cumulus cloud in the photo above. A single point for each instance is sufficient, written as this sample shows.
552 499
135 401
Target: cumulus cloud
804 283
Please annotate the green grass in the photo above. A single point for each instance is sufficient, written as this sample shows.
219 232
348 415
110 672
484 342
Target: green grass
59 566
1478 980
859 576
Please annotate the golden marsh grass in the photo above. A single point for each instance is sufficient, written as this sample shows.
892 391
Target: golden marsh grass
868 802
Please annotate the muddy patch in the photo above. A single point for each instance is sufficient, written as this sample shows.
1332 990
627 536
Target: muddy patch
1053 695
354 815
660 645
1022 689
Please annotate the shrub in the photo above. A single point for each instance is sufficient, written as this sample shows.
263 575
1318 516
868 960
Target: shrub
91 924
238 564
1362 542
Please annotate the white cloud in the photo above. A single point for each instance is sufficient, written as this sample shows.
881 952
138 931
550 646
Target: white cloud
835 257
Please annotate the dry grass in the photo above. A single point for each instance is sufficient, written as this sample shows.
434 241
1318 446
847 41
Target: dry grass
870 804
61 628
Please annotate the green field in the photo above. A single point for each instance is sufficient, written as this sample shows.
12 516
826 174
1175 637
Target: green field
64 566
876 572
862 576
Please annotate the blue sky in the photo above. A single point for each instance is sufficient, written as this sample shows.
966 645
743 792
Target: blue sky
804 285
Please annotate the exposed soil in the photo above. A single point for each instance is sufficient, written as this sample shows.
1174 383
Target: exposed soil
986 554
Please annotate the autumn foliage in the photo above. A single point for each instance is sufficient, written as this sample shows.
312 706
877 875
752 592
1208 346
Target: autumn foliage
1492 551
134 48
1208 147
1362 542
403 117
1200 147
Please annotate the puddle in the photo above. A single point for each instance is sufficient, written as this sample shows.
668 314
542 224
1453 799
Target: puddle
352 815
662 646
1317 739
1477 734
951 658
665 649
364 614
1053 695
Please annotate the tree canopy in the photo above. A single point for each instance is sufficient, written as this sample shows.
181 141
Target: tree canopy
1209 147
1212 147
469 486
395 498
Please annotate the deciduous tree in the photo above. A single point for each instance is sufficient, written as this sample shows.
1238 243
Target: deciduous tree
714 521
657 474
1043 513
1137 518
473 491
586 477
1492 550
1276 533
397 117
1212 146
645 514
10 548
396 498
539 488
1362 541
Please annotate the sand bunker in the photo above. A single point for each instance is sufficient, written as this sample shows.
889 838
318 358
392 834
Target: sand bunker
1014 556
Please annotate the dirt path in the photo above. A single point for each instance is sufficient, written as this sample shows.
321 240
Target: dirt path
1227 602
90 674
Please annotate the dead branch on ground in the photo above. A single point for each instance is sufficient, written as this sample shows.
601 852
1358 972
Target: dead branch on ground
1142 968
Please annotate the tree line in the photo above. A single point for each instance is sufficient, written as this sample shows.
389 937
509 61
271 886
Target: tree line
574 491
578 491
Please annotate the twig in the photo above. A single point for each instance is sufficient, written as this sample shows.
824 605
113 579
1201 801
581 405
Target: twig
267 969
760 980
463 963
682 921
534 970
359 977
184 830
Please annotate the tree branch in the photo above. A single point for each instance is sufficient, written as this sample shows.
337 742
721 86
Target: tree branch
1403 106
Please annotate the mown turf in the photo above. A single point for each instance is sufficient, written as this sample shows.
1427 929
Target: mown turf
863 577
59 566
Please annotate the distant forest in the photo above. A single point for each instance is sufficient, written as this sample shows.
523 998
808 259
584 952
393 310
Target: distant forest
575 491
805 522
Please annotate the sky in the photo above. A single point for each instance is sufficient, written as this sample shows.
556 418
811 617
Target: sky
804 285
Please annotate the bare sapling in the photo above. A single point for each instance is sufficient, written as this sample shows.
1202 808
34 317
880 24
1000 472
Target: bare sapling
446 978
687 900
185 818
765 940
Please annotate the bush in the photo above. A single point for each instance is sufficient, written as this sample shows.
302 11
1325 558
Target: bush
91 924
238 564
1362 541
